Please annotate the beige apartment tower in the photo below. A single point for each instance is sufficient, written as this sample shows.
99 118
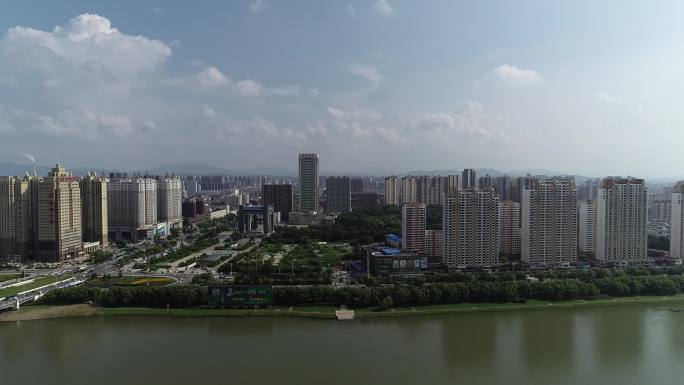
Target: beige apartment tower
413 218
56 212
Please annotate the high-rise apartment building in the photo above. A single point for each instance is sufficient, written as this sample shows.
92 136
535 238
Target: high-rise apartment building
338 194
677 222
170 202
95 209
509 228
503 187
308 182
392 190
132 208
485 182
433 244
548 221
469 179
15 217
280 197
660 211
413 216
621 220
408 189
56 211
470 229
586 217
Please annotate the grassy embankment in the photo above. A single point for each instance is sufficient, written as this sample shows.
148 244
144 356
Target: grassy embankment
8 277
42 281
129 281
325 312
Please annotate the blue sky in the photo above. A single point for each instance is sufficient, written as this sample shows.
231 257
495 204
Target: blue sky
583 87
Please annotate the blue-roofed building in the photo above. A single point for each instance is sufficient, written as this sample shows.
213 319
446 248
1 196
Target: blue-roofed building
393 240
389 261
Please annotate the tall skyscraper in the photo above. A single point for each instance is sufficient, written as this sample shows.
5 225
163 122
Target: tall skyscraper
56 204
170 202
433 244
15 217
509 228
308 182
95 209
408 189
586 242
503 188
132 208
485 182
470 229
280 197
357 185
548 221
338 194
392 195
677 222
469 179
621 220
413 216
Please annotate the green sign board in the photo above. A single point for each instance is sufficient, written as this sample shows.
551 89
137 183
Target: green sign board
240 296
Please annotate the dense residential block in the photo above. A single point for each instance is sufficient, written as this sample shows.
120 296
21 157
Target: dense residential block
548 221
470 229
621 234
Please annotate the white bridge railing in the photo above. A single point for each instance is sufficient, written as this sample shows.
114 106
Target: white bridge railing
13 302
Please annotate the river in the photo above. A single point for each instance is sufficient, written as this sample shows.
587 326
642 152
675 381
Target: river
631 344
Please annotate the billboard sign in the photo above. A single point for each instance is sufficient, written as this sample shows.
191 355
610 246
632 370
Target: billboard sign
240 296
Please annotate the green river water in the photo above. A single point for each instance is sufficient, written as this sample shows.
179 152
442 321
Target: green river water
631 344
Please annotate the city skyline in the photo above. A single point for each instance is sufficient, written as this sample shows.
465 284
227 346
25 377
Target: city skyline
363 93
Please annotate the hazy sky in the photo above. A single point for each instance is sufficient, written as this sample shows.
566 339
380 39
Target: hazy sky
588 87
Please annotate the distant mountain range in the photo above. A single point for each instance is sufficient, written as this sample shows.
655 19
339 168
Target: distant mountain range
201 168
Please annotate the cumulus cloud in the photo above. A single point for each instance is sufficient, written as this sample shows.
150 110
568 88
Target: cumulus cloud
514 76
256 6
354 114
470 119
603 97
368 72
383 7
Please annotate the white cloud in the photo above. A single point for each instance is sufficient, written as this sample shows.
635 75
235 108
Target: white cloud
354 114
212 77
367 72
157 11
383 7
256 6
249 87
603 97
88 43
351 9
514 76
470 119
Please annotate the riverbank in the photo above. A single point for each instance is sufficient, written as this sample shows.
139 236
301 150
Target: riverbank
37 312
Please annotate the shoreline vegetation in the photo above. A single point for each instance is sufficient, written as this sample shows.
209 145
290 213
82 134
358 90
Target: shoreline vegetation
38 312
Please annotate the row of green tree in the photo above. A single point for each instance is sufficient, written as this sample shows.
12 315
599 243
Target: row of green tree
384 296
147 296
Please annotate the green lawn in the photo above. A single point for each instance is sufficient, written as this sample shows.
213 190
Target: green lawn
8 277
35 284
130 281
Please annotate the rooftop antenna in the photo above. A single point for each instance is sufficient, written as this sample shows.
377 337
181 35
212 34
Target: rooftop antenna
35 171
